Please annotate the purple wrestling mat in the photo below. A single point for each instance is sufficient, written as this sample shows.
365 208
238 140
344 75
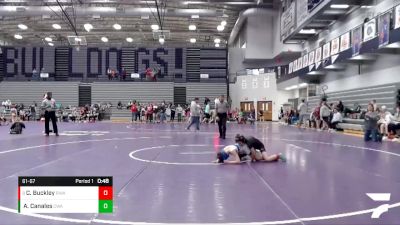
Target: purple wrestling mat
163 174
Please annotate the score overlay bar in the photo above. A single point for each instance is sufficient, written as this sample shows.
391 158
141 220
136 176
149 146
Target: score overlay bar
65 195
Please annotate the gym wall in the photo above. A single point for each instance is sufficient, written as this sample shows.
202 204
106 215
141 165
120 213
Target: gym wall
256 88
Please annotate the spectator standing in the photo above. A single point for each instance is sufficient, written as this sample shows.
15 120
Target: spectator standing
325 115
222 109
371 124
207 115
261 116
252 117
281 114
179 111
149 113
134 111
123 74
143 113
302 108
14 114
317 116
195 114
162 111
173 111
109 74
35 74
33 111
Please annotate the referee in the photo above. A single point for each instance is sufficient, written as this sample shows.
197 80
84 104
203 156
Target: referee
49 105
222 108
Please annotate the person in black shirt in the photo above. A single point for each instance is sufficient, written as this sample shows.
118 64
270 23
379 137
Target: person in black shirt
16 128
257 149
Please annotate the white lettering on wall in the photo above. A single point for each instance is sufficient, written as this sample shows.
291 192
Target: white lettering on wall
266 82
255 83
244 84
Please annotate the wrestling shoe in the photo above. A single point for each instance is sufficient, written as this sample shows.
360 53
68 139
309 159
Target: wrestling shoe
282 157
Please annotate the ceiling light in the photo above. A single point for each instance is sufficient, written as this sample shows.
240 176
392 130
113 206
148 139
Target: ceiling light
50 44
56 26
195 16
77 39
22 26
193 2
129 39
192 27
220 28
161 40
48 39
303 85
155 27
217 40
339 6
104 39
366 6
192 40
223 22
88 27
216 45
307 31
17 36
291 87
117 26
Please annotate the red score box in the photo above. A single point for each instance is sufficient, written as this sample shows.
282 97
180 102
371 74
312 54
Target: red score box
105 193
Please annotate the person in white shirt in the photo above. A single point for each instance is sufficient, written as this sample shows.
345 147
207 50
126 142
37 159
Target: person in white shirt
195 114
325 113
179 111
394 124
207 115
49 105
384 121
302 108
336 119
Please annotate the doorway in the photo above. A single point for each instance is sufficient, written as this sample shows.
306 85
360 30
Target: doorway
266 108
246 106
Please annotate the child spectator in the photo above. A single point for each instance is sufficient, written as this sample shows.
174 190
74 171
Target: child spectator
252 117
14 113
179 110
371 124
261 115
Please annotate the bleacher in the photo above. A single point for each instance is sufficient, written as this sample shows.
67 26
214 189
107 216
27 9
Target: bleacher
384 95
67 93
28 92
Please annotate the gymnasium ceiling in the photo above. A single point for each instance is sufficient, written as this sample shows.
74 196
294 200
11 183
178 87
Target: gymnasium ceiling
134 16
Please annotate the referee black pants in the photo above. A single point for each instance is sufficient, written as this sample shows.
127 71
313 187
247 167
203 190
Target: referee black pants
50 115
222 124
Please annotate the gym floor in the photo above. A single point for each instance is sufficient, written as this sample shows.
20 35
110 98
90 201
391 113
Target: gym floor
163 174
